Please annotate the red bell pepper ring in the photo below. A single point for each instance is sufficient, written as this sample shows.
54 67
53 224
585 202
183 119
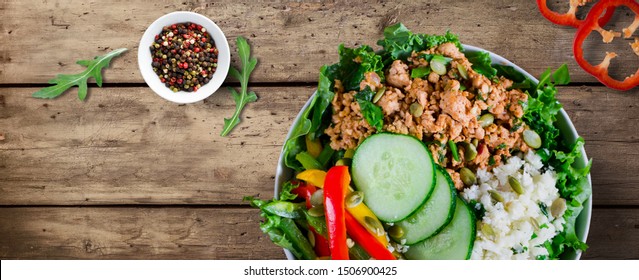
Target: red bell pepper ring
335 185
364 238
570 18
305 191
591 24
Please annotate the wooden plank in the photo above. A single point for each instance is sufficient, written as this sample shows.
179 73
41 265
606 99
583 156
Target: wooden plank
291 39
128 146
184 233
133 233
607 120
613 232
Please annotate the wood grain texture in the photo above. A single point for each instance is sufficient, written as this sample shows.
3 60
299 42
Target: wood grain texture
127 146
133 233
183 233
292 39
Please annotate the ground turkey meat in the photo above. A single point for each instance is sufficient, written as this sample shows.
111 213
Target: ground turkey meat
437 109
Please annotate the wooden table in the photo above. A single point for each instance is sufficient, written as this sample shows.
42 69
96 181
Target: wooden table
128 175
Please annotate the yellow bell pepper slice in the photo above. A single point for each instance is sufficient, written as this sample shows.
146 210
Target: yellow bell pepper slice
360 212
314 147
314 177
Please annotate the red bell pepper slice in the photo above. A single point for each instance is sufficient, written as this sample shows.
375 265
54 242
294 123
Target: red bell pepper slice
591 24
364 238
335 185
305 191
321 244
569 18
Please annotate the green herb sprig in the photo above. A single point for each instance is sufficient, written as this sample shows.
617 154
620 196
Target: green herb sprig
63 82
244 97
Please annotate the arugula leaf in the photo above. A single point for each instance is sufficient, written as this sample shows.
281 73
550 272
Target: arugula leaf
482 63
63 82
399 42
243 98
371 112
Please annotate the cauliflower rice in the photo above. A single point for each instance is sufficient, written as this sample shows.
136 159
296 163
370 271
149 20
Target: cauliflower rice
517 227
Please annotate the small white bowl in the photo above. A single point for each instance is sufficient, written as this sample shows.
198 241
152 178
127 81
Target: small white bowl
152 79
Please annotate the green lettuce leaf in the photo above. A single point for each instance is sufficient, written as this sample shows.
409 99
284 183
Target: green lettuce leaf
540 114
399 42
482 63
371 112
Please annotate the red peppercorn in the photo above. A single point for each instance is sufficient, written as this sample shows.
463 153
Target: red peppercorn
180 81
203 73
163 80
173 27
203 40
196 50
173 51
185 65
157 37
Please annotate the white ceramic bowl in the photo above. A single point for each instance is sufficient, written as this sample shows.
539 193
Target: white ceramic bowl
566 127
152 79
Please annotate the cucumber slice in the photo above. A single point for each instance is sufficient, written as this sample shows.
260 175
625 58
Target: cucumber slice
433 215
454 242
395 172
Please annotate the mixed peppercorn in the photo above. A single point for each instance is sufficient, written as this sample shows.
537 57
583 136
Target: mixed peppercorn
184 56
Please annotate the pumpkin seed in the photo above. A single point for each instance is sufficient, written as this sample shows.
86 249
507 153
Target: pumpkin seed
416 109
349 153
396 232
350 243
515 185
317 198
438 66
486 120
532 139
534 223
311 238
373 225
475 142
558 207
496 196
462 71
354 198
379 94
467 176
487 230
316 211
470 151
